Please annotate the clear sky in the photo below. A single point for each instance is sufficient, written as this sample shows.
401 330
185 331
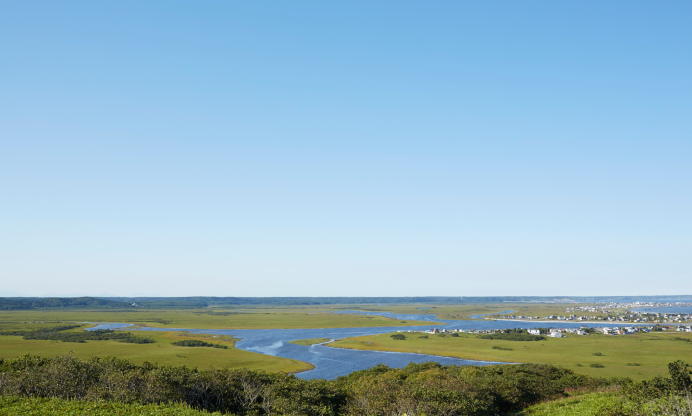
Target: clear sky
359 148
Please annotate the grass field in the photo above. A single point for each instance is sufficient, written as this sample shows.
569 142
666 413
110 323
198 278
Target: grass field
652 351
209 319
161 352
309 342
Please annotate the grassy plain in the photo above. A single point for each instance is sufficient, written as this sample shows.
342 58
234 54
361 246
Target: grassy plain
270 318
651 351
161 351
309 342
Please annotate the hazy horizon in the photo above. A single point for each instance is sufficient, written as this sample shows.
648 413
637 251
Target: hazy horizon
345 149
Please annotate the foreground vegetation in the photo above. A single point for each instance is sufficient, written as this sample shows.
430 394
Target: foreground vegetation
640 356
416 389
66 385
36 406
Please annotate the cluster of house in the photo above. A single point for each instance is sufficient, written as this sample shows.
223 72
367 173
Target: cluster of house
631 316
559 332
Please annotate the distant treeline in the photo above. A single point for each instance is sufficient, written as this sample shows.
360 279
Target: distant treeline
427 388
57 334
199 302
204 301
61 303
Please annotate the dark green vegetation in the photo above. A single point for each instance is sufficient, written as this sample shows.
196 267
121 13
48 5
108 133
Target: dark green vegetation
9 304
36 406
417 389
57 333
400 337
513 335
67 386
497 347
197 343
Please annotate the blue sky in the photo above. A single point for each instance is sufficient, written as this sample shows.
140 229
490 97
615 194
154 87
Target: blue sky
346 149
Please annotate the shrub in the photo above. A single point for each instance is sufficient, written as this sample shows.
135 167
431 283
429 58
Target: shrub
399 337
197 343
596 365
512 337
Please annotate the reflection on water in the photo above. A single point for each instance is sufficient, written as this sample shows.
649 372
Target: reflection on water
334 362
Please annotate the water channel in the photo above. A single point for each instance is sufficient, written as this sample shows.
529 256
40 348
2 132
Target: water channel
665 309
334 362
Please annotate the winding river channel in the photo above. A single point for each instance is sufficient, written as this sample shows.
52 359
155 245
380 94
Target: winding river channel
334 362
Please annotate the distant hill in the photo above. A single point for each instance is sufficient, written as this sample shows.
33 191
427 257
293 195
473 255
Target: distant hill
61 303
206 301
197 302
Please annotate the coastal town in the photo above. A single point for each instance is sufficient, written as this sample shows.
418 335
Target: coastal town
612 312
561 332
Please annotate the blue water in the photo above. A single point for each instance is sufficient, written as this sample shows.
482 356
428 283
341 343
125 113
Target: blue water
480 316
334 362
665 309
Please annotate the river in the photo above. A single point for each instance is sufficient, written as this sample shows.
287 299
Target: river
331 362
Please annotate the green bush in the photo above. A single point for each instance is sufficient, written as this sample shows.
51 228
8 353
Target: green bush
197 343
12 406
426 388
399 337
